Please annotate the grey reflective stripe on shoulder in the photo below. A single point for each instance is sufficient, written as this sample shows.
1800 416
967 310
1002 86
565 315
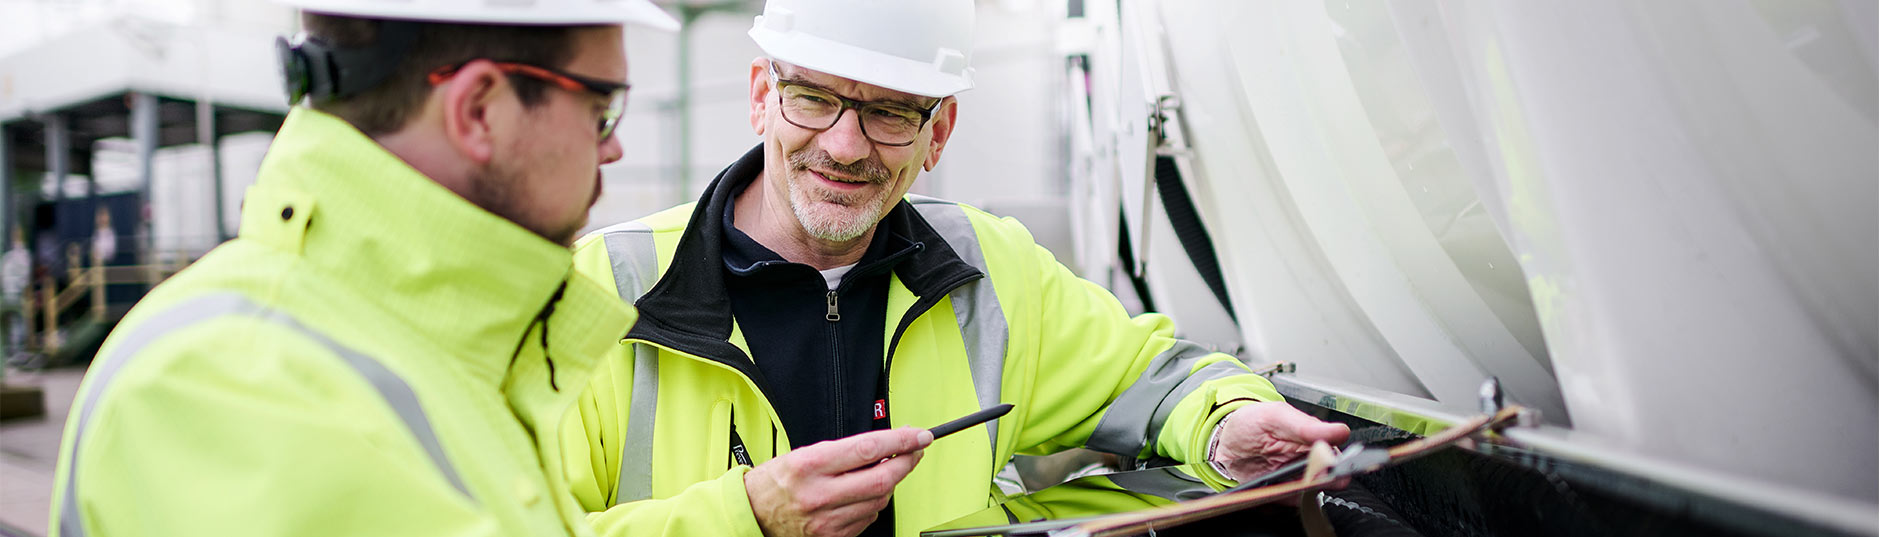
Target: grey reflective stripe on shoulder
635 261
1138 414
975 305
394 390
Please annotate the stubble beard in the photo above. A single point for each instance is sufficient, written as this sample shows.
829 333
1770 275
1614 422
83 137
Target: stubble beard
500 192
836 216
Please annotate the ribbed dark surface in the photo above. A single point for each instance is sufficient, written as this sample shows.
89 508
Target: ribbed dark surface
1513 493
1194 237
1500 491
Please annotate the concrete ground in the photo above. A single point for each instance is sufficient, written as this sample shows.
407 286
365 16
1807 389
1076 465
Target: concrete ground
29 450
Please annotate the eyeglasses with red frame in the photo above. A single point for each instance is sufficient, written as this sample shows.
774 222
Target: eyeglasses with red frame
614 92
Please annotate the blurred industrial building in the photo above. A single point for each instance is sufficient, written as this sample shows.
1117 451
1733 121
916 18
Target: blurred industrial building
1655 221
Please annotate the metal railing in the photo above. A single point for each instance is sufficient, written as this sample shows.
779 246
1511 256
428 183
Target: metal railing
85 288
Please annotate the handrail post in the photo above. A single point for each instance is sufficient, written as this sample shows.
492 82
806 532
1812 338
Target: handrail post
97 290
74 264
30 339
51 340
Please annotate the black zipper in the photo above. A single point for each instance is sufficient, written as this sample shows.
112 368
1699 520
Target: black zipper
835 357
834 315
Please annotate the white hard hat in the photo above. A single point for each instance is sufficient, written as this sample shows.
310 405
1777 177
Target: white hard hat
915 46
521 12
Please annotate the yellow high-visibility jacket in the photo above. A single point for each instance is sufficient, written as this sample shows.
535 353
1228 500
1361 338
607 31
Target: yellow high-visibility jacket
367 358
981 315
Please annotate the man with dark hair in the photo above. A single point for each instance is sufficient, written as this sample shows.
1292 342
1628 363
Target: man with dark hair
386 347
385 107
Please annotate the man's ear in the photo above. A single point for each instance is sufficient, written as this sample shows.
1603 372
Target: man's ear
760 93
468 98
942 129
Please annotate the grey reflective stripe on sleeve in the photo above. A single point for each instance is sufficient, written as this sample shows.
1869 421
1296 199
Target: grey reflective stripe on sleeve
635 261
1166 483
1137 415
195 311
396 392
975 306
189 313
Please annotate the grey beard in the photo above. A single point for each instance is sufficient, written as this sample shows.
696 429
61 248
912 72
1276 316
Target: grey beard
868 169
833 231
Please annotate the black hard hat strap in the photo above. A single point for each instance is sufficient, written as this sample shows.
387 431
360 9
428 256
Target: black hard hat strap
316 69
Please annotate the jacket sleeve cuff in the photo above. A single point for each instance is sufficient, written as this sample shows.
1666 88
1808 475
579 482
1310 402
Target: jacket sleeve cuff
1222 397
1209 427
737 503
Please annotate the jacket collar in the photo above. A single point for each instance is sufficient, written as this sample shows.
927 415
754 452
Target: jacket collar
690 304
461 277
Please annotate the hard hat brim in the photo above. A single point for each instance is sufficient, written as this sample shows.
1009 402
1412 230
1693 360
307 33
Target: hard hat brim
859 64
633 12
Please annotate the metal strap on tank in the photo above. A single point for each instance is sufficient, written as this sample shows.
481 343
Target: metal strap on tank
1134 418
635 261
975 306
396 393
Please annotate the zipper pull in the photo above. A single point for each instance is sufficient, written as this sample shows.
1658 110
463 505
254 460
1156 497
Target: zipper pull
833 315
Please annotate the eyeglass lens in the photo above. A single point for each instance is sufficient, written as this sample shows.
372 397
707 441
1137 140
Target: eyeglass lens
616 107
884 123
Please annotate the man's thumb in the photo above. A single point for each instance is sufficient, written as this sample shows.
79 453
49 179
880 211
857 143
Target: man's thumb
1331 433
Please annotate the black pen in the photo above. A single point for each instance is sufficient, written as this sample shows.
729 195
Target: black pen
970 420
961 424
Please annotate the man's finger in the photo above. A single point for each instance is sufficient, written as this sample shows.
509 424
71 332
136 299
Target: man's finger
844 454
862 511
1328 432
1291 424
873 482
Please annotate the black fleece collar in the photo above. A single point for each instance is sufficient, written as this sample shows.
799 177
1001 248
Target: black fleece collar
689 308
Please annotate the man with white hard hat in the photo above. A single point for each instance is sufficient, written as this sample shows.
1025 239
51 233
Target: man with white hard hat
806 319
388 345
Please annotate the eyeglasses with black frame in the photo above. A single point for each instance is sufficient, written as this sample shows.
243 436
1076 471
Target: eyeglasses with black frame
614 92
883 122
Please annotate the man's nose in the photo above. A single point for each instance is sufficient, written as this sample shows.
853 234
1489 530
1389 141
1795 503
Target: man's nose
611 149
845 141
